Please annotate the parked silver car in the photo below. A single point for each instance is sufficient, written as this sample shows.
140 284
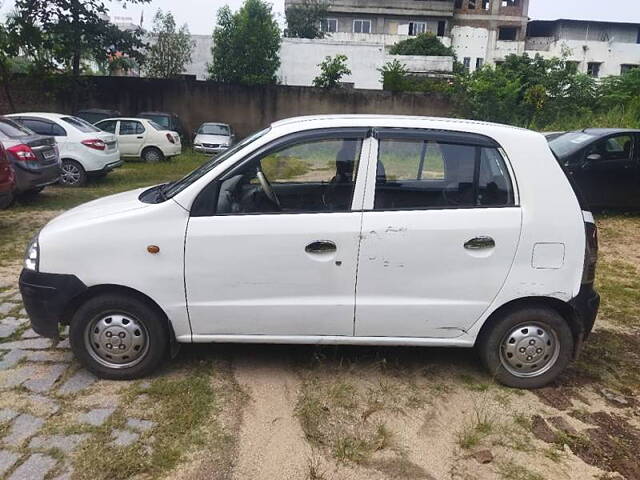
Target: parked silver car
213 138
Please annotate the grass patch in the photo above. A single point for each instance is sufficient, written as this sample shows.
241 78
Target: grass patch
510 470
477 429
184 408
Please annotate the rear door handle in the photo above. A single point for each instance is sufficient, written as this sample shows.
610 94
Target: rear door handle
321 246
479 243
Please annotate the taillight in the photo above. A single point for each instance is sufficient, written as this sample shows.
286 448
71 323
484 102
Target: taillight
95 143
590 253
22 153
170 138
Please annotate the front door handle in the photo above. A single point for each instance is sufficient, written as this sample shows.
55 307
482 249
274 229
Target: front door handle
321 246
479 243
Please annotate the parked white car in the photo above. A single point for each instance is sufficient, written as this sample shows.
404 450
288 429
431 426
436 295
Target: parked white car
143 138
213 138
366 230
84 149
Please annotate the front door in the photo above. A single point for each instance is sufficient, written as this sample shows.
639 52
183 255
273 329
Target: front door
439 237
131 137
278 255
608 172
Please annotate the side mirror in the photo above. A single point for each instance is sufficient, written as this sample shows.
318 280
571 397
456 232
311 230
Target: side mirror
594 157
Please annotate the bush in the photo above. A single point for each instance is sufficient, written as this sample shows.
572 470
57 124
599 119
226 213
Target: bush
426 44
331 72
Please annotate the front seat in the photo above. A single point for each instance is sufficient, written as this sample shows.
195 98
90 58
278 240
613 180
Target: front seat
337 195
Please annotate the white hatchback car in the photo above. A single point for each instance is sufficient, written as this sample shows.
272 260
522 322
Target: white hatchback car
85 150
143 138
367 230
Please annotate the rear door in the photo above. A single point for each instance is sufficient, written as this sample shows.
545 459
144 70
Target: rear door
131 137
440 231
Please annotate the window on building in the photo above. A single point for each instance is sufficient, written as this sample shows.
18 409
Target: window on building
479 63
510 3
362 26
486 4
625 68
417 28
466 63
329 25
471 4
573 66
442 26
508 34
458 4
593 69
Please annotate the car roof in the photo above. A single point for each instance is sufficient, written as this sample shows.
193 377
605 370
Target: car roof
215 123
137 119
601 132
398 121
47 115
168 114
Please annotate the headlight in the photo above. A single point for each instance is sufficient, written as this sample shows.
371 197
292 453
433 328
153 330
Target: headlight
32 255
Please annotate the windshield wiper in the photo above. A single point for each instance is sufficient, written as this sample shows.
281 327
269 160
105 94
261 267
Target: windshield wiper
162 192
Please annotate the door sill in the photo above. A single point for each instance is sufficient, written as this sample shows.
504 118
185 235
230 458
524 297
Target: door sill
466 342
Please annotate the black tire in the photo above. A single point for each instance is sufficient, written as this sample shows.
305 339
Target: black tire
152 155
509 331
6 200
73 174
118 305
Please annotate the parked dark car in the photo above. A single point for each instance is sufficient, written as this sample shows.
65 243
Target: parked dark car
604 164
7 179
94 115
170 121
34 157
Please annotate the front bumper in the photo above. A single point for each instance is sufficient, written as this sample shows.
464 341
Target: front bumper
46 296
213 151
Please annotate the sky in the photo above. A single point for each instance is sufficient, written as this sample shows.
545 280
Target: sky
199 15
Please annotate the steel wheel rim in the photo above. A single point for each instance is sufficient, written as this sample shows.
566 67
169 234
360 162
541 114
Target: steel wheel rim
70 173
529 350
117 340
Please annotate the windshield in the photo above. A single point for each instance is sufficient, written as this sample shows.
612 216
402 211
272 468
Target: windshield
10 129
570 143
80 124
214 129
176 187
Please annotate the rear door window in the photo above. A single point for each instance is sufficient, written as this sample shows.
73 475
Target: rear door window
415 173
131 127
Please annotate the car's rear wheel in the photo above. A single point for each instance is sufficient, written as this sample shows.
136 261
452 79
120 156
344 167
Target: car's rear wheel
152 155
118 336
526 347
73 174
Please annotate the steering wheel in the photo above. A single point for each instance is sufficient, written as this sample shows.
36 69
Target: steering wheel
266 188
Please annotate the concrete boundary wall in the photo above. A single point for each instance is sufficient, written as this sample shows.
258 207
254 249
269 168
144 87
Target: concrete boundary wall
246 108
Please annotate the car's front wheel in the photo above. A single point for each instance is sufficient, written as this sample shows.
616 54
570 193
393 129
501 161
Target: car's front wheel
118 336
526 347
73 174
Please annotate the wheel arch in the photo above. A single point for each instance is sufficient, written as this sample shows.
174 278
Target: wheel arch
564 309
96 290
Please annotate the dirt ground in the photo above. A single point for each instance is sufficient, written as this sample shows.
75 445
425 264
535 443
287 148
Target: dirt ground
305 412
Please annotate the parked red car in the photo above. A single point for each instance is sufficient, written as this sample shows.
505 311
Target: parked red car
7 179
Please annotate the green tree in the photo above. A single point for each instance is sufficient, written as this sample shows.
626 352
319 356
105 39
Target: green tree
394 76
331 72
246 45
70 30
304 19
424 44
171 48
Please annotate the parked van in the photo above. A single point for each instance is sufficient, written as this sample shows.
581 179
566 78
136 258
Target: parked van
362 230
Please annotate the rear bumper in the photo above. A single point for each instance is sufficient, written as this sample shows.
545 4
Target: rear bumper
585 306
107 168
28 179
46 297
